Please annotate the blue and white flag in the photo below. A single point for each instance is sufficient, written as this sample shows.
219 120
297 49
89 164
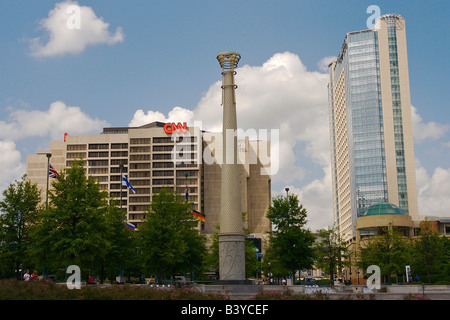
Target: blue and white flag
127 184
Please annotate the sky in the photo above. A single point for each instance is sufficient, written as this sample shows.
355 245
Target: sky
79 66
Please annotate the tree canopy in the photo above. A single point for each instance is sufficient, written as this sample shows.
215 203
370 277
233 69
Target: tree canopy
291 245
74 229
170 244
19 208
331 252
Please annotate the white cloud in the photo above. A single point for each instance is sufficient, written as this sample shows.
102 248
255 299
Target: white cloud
281 94
71 28
426 131
10 162
433 191
324 62
54 122
316 197
50 124
177 114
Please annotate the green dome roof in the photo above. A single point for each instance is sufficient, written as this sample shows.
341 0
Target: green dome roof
382 208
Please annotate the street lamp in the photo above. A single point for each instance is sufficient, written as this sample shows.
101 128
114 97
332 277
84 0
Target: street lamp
287 192
48 155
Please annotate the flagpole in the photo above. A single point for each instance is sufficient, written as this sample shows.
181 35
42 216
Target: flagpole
187 192
48 155
121 182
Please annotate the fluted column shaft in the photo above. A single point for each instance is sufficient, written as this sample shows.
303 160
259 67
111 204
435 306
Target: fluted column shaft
231 236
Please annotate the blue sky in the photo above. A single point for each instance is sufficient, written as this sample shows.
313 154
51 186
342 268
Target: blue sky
155 56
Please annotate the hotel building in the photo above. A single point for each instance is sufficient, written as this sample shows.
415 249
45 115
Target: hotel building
152 157
372 151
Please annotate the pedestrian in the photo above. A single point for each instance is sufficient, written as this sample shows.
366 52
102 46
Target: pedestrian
34 276
91 280
26 276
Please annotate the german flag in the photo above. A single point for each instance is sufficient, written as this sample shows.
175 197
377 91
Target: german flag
198 215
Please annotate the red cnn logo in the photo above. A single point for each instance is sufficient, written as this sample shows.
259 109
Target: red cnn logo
169 128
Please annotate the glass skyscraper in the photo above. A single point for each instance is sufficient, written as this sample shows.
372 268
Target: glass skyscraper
370 124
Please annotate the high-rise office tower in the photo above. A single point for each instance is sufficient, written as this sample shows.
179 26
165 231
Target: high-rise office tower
372 151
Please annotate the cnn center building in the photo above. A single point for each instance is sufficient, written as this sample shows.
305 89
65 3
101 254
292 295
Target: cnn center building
158 155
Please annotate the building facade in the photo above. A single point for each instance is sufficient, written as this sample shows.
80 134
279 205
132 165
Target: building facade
372 151
160 155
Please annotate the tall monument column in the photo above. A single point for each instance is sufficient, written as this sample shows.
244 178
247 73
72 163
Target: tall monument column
231 236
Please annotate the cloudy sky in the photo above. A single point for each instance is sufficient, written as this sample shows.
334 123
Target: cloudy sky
77 67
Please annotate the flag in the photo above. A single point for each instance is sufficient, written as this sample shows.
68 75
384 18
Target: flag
127 184
198 215
130 226
52 173
187 193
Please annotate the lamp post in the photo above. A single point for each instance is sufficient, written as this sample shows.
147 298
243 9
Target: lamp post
48 155
270 273
350 267
287 192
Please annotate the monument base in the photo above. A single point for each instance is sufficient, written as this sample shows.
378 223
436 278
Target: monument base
232 282
231 257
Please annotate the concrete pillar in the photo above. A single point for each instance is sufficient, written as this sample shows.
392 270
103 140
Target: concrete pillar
231 236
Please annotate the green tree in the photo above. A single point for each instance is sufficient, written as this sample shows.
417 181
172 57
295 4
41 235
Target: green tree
272 266
428 252
331 252
169 242
73 229
212 256
121 246
389 251
445 271
19 208
290 242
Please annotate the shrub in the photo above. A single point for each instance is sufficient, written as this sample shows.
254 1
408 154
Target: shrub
45 290
288 295
414 297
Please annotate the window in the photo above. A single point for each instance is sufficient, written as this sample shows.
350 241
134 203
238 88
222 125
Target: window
76 147
140 141
99 146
